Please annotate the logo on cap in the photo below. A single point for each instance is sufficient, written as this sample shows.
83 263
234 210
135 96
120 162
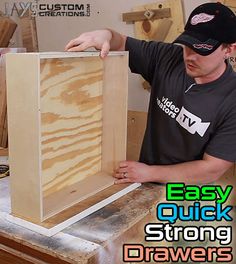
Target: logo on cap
203 46
201 18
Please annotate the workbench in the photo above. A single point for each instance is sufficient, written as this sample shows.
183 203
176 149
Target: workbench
98 238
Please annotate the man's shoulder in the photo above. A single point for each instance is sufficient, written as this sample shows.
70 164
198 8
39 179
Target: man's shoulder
171 47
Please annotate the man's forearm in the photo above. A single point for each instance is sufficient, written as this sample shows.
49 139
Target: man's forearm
199 171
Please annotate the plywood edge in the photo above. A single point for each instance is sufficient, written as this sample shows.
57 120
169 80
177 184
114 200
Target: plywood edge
55 55
59 227
24 131
52 55
115 106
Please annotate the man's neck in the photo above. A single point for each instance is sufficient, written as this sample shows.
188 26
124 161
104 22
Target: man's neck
212 76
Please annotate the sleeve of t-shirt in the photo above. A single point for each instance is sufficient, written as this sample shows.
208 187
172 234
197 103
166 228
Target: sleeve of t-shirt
145 56
223 143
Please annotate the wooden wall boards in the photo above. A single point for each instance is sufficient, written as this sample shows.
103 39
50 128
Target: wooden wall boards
67 115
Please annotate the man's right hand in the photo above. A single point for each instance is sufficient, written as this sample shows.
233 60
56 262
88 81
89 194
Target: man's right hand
99 39
103 40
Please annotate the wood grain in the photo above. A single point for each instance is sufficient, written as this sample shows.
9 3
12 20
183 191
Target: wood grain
71 121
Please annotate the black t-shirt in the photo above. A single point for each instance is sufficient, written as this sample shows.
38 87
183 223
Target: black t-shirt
185 119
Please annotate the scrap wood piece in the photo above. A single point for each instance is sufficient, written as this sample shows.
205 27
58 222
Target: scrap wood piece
29 32
146 14
7 29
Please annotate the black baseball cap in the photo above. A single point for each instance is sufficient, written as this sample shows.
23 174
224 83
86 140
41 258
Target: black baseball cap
208 26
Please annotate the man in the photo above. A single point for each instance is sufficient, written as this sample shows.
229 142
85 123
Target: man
191 128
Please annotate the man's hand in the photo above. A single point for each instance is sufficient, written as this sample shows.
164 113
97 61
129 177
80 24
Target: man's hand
132 171
103 40
207 170
99 39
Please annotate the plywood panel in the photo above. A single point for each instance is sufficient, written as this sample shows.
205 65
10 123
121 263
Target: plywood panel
75 193
24 134
71 120
3 99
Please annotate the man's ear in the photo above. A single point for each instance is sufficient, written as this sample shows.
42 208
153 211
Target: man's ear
231 48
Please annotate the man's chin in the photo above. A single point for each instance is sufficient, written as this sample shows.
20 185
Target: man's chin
191 73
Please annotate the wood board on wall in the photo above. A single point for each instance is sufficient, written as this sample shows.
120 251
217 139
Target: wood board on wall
166 29
76 107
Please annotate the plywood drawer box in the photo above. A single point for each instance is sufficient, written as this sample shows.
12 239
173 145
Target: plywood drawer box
67 115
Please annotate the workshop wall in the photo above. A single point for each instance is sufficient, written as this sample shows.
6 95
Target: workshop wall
55 32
